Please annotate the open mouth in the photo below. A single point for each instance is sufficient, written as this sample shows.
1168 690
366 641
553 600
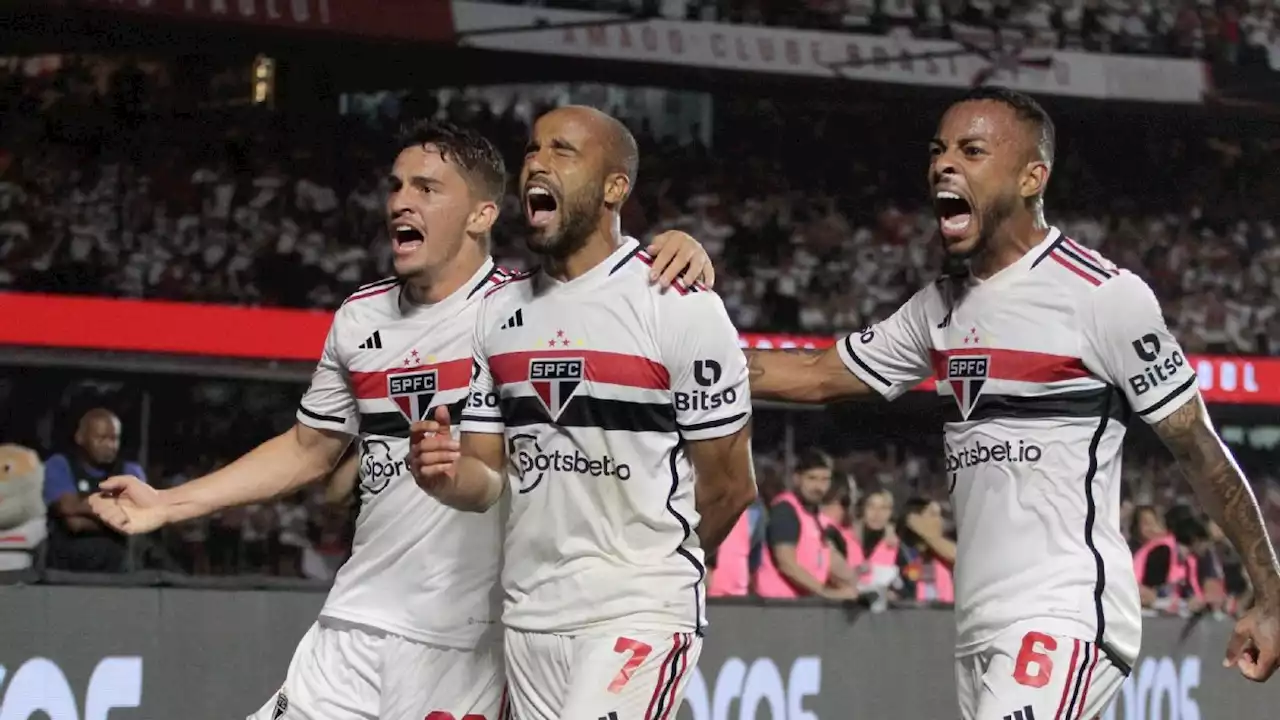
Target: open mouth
540 206
407 237
954 213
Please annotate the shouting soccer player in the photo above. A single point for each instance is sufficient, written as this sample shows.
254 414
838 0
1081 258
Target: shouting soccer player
1046 351
599 404
409 629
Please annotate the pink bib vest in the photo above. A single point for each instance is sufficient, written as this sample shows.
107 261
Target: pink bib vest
811 552
1182 568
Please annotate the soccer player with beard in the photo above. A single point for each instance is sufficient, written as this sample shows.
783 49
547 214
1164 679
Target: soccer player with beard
1045 351
598 405
408 630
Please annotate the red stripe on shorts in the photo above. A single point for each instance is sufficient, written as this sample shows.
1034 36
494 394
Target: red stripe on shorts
670 709
677 641
1084 694
1066 688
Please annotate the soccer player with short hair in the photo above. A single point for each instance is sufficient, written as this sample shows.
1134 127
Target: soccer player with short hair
1045 351
616 420
409 629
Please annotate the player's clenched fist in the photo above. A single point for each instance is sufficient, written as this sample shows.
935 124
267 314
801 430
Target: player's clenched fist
1254 647
433 452
128 505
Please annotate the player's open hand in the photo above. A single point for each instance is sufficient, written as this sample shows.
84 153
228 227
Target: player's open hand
1254 647
675 252
433 452
128 505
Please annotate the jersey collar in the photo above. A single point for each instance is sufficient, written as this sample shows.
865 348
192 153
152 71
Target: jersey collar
472 288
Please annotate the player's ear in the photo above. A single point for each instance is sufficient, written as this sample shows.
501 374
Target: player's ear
617 186
1034 179
483 216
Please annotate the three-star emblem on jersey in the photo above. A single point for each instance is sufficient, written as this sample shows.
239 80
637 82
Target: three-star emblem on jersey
412 392
966 374
562 340
413 359
555 380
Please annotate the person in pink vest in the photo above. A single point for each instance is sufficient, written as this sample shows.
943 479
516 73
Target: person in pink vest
837 507
799 560
926 554
1178 570
876 542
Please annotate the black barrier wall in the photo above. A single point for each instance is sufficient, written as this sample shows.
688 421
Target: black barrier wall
81 653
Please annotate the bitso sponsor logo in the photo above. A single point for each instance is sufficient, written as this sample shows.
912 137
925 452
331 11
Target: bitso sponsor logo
39 688
1159 689
1159 371
707 374
980 453
745 691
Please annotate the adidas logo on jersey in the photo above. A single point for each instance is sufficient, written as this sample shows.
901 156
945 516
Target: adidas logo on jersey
610 716
373 342
1024 714
515 321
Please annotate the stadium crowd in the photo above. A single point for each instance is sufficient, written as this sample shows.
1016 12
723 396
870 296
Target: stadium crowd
107 187
116 192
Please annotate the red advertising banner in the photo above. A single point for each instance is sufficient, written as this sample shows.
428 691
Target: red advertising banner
418 20
228 331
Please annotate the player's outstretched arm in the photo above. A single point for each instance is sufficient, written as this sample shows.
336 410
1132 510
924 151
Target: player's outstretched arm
802 376
888 358
340 486
295 458
726 483
464 474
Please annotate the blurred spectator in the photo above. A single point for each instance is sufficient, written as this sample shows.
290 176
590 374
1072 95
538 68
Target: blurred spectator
800 560
77 540
927 554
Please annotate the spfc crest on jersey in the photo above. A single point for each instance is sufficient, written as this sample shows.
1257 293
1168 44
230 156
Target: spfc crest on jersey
412 392
966 374
555 380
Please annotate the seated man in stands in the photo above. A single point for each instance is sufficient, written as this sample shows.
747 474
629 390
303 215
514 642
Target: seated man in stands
77 540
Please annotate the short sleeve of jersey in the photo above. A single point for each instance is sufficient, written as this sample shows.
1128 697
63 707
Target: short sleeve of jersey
892 356
483 413
1126 338
708 370
329 403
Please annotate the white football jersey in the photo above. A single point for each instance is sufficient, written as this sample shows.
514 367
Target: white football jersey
417 568
1043 365
598 384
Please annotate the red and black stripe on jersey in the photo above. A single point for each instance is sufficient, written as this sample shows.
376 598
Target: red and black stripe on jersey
581 409
1033 367
644 256
1081 261
373 289
450 376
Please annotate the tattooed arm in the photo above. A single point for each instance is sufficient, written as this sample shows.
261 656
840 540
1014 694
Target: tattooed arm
802 376
1224 492
889 358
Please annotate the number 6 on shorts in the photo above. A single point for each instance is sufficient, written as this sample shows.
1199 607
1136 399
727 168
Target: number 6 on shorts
638 652
1033 665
